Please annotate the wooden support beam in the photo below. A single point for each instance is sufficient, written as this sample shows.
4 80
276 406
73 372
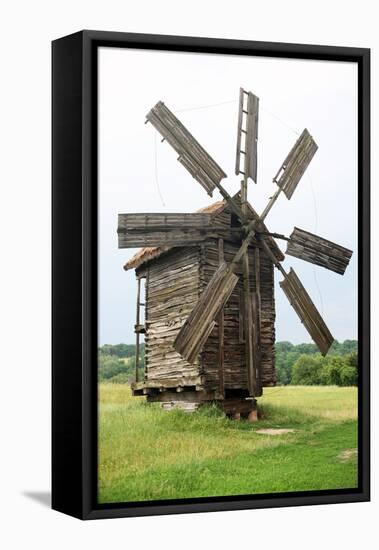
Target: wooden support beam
258 319
241 316
137 325
139 329
221 330
248 329
170 383
270 204
248 317
253 414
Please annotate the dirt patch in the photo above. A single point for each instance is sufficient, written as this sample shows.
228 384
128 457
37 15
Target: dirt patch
275 431
347 454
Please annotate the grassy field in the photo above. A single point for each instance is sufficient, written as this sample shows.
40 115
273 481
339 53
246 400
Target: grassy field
146 453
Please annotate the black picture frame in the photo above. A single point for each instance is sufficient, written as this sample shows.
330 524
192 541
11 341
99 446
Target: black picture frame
74 271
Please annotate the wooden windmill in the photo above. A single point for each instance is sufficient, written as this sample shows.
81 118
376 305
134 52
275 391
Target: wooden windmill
240 285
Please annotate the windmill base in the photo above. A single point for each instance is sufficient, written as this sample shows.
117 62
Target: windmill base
234 407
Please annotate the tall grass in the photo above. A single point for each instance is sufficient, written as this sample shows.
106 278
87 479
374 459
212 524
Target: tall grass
146 453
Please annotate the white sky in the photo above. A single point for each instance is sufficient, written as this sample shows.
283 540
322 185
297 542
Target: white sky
138 173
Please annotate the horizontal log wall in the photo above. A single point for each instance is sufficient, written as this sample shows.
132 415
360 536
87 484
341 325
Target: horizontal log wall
172 292
235 375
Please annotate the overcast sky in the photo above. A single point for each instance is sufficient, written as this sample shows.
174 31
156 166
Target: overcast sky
138 173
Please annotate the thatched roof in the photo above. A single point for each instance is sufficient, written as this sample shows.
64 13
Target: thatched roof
149 253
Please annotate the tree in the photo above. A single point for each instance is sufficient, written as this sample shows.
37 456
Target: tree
284 347
331 371
324 371
339 371
306 371
348 376
307 348
121 350
110 366
284 363
352 359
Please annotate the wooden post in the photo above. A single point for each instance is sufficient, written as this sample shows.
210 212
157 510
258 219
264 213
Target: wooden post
137 327
253 414
221 331
270 204
257 320
241 317
248 318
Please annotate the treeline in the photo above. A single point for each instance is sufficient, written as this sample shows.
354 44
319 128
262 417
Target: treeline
302 364
119 350
116 362
299 364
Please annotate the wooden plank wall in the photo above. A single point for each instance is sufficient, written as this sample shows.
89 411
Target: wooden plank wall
267 295
235 375
173 290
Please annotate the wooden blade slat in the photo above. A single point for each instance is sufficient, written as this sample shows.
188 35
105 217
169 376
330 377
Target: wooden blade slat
197 327
249 154
239 133
295 164
307 311
319 251
191 154
251 142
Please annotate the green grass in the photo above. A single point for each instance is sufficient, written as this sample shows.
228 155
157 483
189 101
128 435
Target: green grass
146 453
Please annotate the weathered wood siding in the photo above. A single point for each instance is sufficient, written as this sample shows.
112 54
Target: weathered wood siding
319 251
268 372
247 117
172 292
171 229
295 164
174 283
235 374
192 155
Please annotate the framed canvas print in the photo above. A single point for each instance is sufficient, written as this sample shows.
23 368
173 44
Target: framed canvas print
210 274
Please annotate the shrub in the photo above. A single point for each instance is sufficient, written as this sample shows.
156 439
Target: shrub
110 366
306 371
349 376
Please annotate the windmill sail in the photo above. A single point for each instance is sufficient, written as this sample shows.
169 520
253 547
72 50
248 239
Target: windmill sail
191 154
136 230
295 164
249 152
319 251
201 321
307 311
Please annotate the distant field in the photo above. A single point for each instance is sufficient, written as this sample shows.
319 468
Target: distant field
146 453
